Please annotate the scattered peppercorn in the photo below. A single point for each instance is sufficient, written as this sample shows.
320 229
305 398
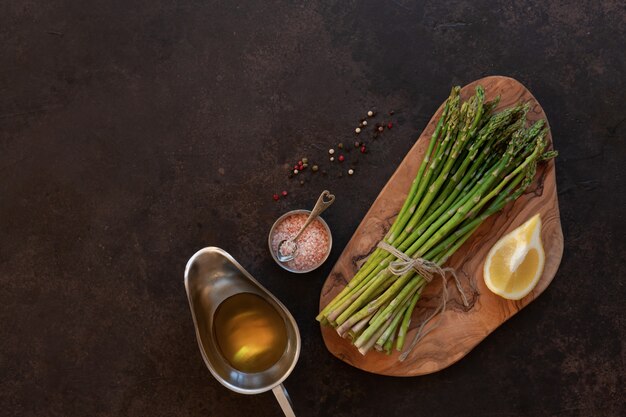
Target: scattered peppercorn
391 112
303 163
275 197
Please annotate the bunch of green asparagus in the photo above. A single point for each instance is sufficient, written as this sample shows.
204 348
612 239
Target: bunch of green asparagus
476 163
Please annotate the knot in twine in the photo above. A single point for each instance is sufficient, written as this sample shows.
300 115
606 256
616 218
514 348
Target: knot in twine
426 269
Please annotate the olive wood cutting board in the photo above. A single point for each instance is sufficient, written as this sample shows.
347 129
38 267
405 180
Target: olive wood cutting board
461 328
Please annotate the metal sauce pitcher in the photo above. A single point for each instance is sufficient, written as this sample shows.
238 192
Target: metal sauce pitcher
211 276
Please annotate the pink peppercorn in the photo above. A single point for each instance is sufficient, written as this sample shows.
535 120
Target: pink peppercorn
341 158
275 197
363 149
389 125
284 193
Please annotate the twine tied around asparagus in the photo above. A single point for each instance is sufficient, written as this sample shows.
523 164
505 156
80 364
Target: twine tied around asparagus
428 270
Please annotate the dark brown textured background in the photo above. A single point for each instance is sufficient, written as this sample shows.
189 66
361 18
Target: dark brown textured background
133 133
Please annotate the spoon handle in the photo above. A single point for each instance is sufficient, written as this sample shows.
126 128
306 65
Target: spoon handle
320 206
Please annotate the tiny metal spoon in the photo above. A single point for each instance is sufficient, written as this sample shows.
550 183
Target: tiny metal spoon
290 244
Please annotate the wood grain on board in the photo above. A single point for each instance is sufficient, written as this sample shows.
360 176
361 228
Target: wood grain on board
461 328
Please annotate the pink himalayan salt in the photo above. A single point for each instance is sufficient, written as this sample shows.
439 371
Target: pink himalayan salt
313 243
288 248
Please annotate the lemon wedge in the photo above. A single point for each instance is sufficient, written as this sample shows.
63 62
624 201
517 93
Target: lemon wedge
515 263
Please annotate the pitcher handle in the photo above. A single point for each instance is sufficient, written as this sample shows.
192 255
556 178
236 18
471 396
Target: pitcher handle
282 396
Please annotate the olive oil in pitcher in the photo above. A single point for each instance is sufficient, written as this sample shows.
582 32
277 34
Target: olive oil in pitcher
250 333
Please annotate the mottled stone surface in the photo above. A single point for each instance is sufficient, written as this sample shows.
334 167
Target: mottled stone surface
134 133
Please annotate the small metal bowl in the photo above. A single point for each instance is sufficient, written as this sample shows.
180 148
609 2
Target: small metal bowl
283 265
